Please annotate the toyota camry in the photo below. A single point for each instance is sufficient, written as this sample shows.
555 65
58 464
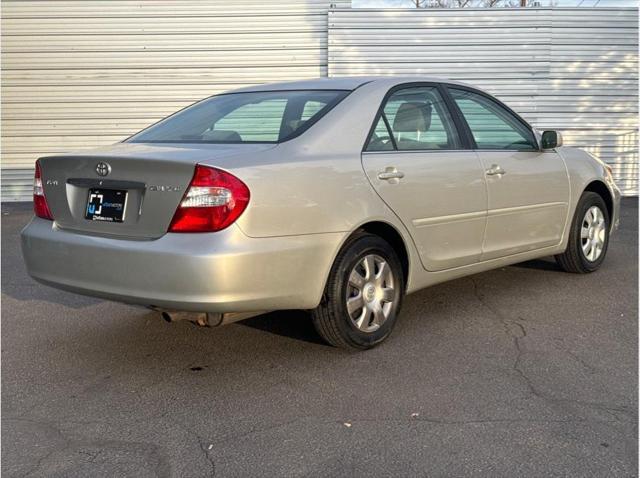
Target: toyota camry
337 196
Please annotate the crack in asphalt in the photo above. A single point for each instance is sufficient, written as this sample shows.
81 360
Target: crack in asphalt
202 445
205 444
162 468
508 325
560 343
42 459
206 455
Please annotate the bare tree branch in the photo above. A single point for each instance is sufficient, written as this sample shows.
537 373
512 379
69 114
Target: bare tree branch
468 3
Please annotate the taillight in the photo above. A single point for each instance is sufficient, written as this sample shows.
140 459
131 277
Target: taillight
40 206
213 201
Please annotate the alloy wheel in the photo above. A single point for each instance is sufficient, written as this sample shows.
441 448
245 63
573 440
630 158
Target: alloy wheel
371 293
593 233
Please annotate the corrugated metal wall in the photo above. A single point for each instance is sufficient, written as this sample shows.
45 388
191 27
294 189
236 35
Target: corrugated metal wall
575 70
82 73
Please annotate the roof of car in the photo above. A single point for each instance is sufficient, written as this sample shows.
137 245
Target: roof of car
339 83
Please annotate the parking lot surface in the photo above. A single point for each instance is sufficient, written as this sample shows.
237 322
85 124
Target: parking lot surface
521 371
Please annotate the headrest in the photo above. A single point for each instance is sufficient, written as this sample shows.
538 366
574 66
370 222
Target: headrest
222 136
412 117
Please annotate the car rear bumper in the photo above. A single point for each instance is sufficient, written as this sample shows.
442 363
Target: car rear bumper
219 272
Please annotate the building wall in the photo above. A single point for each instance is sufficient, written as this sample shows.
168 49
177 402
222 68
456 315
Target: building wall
575 69
80 73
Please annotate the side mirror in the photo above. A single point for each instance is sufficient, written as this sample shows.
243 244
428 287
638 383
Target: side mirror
551 139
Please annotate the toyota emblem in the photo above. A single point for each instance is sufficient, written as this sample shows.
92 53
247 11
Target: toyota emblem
103 169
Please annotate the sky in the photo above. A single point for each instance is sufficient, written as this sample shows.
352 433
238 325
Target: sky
559 3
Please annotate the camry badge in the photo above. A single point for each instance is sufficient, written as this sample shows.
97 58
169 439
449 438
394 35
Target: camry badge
103 169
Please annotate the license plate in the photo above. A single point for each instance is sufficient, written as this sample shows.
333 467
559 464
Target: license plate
106 205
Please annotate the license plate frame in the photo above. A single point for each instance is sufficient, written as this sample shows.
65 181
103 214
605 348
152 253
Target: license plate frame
106 205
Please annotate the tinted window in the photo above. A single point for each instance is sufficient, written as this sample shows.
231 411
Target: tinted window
381 137
419 120
492 126
252 122
311 108
265 117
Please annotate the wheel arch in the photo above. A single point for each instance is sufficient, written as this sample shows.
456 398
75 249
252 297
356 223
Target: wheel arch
391 235
601 189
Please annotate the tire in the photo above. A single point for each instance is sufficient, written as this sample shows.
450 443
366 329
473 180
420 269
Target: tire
375 302
575 258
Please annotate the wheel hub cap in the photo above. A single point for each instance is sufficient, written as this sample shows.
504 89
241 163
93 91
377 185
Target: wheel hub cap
593 233
370 293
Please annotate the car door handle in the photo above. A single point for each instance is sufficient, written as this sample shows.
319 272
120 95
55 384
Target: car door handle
390 173
495 170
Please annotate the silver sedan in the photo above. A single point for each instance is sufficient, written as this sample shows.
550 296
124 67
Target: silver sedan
338 196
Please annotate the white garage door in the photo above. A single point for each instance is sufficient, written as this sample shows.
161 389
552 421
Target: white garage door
84 73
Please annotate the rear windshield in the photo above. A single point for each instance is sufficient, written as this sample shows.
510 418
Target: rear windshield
252 117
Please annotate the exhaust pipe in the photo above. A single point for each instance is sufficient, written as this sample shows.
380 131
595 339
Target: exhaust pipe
205 319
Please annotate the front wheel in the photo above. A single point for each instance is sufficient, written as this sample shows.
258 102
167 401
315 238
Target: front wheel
588 237
363 294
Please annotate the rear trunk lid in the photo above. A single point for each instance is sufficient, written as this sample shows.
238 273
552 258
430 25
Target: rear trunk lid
152 179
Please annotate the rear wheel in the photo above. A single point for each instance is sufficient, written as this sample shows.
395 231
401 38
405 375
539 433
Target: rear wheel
363 294
588 237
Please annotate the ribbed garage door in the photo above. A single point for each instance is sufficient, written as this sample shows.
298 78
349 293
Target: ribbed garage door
572 69
89 73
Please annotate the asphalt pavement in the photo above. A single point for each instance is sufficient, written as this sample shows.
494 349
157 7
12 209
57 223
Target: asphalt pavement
523 371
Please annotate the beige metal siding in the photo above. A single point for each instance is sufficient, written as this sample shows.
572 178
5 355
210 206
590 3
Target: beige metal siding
87 73
573 69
